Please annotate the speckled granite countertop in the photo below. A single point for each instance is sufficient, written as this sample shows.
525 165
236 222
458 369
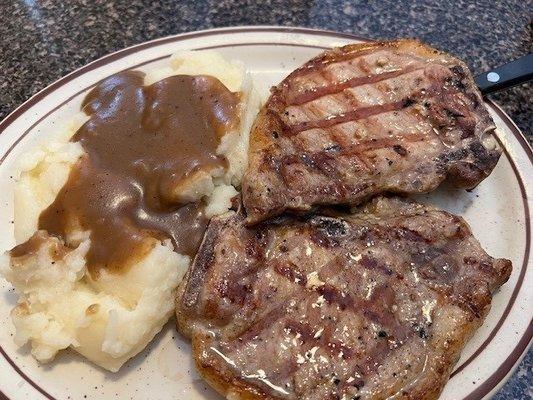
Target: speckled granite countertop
41 40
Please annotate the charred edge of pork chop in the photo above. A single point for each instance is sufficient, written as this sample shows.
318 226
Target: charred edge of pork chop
223 304
276 167
234 389
188 292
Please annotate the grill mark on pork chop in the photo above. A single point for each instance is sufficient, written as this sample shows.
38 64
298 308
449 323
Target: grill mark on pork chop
262 323
336 349
355 115
291 272
358 154
324 161
345 301
350 98
327 59
387 89
455 111
367 305
304 334
377 144
351 83
433 96
338 55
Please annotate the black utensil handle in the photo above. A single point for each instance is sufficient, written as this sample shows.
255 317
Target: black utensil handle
507 75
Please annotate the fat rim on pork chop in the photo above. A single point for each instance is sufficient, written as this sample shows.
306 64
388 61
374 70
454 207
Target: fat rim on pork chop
368 305
365 119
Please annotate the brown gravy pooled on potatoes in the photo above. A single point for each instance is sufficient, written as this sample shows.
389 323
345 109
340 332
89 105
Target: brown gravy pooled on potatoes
141 142
33 245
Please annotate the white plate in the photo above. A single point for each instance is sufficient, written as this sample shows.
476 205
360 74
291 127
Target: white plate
498 211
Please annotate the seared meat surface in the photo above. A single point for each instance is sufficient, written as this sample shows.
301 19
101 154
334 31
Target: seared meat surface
362 306
366 119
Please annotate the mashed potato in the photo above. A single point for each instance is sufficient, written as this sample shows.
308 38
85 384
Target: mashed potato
110 319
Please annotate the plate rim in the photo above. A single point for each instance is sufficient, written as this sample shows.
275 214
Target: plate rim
489 385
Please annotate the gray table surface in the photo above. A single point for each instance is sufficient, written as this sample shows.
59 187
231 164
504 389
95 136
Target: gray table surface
41 41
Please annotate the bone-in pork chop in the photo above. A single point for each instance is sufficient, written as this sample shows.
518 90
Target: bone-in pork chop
365 119
363 306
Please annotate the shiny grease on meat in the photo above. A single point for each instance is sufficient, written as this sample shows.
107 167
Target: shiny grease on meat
365 306
142 143
366 119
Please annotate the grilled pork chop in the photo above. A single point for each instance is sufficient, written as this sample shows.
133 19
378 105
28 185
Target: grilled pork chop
365 119
365 306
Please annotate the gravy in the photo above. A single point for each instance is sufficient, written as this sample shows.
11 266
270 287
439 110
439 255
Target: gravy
140 143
